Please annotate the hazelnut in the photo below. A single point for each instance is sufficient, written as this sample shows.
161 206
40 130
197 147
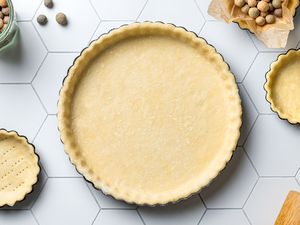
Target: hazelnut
278 12
239 3
276 4
3 28
42 19
270 19
61 19
263 14
245 9
252 3
253 12
260 21
271 7
3 3
6 19
5 11
263 6
266 1
1 15
48 3
1 23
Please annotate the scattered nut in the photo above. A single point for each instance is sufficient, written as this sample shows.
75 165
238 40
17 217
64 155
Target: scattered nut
61 19
48 3
6 19
3 3
239 3
253 12
278 12
42 19
252 3
276 4
260 21
1 15
270 19
5 11
245 9
263 6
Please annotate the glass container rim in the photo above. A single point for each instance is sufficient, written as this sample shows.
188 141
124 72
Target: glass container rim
10 22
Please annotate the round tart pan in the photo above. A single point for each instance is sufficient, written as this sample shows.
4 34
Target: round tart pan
87 158
19 167
282 86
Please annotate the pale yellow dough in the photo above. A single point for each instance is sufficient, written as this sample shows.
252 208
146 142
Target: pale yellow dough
282 86
18 167
150 113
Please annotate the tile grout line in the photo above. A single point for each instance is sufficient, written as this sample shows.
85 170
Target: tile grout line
40 66
250 36
37 9
248 70
93 222
34 217
248 219
38 131
40 100
248 197
201 218
142 219
39 35
92 36
138 16
246 153
94 8
94 197
198 7
251 100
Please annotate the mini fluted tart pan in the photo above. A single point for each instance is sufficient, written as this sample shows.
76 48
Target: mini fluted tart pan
282 86
149 113
19 167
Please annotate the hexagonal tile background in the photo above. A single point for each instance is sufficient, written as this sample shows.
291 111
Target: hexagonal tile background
250 191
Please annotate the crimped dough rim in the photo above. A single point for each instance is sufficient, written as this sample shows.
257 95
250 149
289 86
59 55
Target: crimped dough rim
270 76
35 170
69 84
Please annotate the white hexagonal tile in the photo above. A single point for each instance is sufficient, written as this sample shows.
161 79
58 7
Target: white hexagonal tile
20 109
230 189
187 212
224 217
118 9
49 78
106 26
181 13
273 146
116 217
25 9
108 202
203 5
267 198
53 157
249 115
240 58
255 80
20 62
76 35
65 201
293 39
16 217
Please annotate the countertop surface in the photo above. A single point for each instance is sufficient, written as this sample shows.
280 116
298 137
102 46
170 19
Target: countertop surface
249 191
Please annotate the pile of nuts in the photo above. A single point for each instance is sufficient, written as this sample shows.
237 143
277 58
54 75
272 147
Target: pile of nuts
4 15
262 11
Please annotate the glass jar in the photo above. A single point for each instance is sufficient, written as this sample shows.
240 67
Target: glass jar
7 37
